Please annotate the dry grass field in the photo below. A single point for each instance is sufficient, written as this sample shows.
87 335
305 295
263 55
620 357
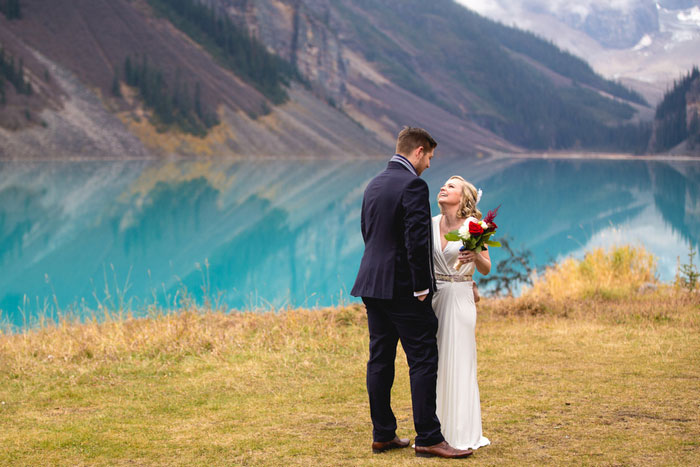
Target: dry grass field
597 378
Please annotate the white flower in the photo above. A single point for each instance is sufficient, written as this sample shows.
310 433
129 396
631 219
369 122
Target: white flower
464 231
483 225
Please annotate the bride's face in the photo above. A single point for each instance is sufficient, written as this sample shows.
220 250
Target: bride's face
450 193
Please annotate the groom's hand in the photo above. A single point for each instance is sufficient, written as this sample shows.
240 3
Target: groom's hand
422 294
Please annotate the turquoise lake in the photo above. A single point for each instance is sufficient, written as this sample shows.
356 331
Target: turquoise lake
277 233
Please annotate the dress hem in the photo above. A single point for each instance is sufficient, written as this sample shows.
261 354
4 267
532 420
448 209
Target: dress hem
483 442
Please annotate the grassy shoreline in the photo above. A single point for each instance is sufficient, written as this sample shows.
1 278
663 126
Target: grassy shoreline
606 376
596 385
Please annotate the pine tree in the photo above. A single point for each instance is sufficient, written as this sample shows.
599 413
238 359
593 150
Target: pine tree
689 274
198 100
694 132
19 78
116 91
14 10
128 72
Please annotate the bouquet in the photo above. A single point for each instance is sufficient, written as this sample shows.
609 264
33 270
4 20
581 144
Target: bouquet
475 234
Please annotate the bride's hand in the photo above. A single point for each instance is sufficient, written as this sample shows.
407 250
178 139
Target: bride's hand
467 257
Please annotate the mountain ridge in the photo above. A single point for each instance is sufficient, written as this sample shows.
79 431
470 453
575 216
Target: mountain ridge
358 87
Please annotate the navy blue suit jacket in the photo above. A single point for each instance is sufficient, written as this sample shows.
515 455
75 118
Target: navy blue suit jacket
396 228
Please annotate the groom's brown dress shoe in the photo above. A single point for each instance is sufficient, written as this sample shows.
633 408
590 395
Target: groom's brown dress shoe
442 450
396 443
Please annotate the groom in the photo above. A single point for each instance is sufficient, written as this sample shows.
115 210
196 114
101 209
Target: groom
396 283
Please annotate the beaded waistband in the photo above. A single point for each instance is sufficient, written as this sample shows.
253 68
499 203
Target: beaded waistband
455 278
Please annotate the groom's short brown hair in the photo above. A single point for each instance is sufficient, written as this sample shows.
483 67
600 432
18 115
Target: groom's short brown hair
410 138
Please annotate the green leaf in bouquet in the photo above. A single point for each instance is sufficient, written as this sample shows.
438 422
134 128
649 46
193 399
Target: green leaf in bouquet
493 243
452 236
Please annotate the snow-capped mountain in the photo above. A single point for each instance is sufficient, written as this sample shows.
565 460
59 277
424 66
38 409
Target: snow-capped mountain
644 43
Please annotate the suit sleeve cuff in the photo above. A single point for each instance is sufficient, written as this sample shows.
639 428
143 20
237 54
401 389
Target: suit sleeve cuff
421 293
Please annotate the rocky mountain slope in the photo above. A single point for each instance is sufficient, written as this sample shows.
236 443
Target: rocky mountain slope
365 68
72 51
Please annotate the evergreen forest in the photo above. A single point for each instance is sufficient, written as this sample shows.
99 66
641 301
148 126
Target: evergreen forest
672 126
12 9
173 104
12 72
231 45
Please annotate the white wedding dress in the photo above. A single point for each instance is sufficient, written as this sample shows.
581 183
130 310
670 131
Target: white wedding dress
458 404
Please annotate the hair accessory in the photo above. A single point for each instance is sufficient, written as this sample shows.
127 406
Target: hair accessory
478 195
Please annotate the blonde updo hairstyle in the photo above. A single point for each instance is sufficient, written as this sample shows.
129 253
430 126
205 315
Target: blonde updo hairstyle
467 205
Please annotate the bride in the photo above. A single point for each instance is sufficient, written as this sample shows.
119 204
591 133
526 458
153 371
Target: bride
458 405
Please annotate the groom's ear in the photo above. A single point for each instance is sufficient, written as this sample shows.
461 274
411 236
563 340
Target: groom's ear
419 152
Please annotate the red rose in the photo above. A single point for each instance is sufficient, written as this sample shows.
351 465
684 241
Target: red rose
492 227
475 229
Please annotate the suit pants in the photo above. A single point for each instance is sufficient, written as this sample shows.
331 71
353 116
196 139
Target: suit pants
414 323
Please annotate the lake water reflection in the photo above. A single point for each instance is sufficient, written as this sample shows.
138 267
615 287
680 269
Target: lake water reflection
286 233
